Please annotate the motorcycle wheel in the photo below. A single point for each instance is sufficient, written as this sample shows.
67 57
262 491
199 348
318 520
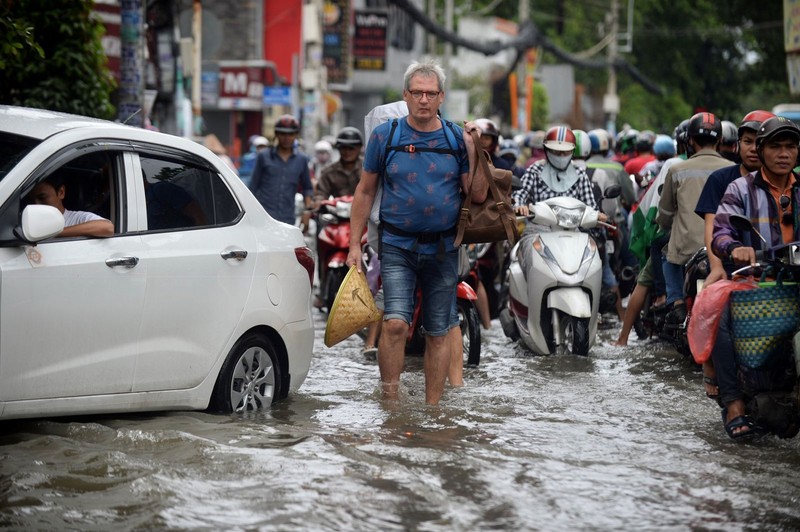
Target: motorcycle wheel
332 283
575 335
470 332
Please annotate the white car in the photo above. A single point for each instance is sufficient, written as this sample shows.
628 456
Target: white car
198 300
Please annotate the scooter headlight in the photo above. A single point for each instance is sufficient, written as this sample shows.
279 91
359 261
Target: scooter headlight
543 250
343 209
569 218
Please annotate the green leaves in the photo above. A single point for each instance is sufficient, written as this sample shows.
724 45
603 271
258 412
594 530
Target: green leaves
51 57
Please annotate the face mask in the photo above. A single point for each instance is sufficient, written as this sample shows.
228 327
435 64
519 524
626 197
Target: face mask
559 162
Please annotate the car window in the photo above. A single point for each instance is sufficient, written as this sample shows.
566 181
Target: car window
83 188
181 195
12 149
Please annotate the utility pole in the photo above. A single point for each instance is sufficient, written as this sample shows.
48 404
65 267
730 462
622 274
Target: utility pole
132 78
448 46
197 45
611 99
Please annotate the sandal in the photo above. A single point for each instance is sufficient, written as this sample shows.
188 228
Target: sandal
739 422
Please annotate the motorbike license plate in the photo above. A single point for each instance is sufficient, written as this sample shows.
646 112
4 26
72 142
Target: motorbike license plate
610 247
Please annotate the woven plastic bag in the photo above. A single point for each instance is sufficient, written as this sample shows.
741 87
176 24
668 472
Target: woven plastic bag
763 322
706 312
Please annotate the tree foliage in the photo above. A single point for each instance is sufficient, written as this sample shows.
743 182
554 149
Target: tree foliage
724 57
51 57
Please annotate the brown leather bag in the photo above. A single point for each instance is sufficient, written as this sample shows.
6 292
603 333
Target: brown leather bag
494 219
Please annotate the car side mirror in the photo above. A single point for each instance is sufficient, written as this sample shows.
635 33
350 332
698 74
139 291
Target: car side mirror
40 222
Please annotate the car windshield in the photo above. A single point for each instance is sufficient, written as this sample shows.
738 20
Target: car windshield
12 149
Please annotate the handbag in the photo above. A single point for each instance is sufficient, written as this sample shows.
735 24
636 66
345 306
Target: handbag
494 219
763 321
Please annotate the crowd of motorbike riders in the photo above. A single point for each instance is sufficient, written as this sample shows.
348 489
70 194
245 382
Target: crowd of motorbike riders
690 209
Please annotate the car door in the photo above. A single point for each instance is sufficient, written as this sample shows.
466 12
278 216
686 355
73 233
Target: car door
201 259
70 308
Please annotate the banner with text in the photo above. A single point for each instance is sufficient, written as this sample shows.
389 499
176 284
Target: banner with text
369 40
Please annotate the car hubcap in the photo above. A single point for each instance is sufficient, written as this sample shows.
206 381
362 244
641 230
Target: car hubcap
253 383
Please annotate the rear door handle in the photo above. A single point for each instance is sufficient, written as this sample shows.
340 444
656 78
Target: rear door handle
236 254
127 262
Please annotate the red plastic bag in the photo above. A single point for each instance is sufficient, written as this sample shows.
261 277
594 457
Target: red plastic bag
706 311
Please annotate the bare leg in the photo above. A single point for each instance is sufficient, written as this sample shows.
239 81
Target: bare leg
437 362
635 305
391 356
455 373
482 304
373 331
620 310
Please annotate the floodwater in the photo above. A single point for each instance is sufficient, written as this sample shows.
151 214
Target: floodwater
622 440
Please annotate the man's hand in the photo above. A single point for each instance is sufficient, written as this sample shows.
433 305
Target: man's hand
716 274
522 210
744 255
354 257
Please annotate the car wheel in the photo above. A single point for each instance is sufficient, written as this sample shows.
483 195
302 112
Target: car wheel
470 332
250 378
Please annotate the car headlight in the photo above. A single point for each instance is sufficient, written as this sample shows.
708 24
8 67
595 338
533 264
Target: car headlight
343 209
569 218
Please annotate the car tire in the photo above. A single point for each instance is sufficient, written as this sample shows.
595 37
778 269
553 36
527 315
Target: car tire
250 378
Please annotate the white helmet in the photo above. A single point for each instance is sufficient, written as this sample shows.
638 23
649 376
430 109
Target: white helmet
323 145
258 140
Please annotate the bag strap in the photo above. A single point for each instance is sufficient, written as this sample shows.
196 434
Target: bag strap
498 198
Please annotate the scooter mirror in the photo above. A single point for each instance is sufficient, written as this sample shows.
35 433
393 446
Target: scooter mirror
612 191
743 225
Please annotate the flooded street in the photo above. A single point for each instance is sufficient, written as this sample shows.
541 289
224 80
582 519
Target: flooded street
623 439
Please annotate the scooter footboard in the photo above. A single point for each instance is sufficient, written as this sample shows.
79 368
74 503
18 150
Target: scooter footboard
573 301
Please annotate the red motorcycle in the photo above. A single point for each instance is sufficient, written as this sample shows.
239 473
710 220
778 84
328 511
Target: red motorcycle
467 313
333 244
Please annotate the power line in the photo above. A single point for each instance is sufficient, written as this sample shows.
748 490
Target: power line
527 37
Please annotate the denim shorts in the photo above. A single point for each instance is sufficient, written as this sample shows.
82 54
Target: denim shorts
400 271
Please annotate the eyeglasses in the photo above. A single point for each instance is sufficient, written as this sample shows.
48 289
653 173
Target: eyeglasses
417 95
787 216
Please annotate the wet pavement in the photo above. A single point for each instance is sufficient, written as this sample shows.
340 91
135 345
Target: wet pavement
622 439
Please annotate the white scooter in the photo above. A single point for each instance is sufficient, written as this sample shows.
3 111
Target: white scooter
554 308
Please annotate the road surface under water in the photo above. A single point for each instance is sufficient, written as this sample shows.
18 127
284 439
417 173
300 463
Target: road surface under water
623 439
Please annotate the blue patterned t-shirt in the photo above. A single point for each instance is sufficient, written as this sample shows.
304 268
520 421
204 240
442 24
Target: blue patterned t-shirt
422 190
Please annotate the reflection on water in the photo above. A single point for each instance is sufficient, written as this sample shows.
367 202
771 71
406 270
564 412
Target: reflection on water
623 439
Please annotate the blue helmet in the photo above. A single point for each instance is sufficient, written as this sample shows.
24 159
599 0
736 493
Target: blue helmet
664 146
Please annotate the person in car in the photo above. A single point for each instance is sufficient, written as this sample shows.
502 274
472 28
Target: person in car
52 191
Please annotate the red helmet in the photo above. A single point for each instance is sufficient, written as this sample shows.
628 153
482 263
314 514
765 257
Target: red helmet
287 124
752 121
559 138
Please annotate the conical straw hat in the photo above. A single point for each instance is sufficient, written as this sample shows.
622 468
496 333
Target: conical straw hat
353 309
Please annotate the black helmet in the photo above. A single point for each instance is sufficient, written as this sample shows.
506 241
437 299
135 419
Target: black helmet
645 141
680 135
775 126
349 136
704 125
287 124
730 133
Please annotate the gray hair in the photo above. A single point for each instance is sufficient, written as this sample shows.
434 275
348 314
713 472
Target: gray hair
427 68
